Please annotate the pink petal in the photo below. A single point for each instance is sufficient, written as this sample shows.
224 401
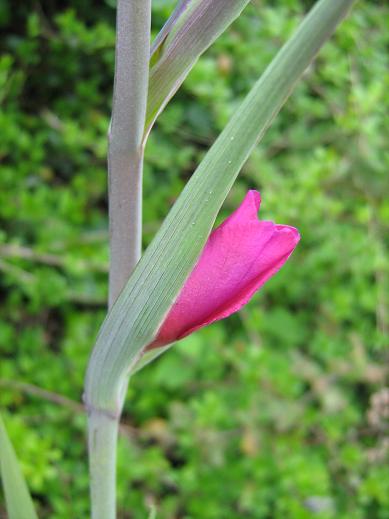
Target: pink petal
238 258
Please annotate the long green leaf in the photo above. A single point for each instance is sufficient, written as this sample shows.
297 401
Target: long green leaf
149 294
166 29
17 497
192 28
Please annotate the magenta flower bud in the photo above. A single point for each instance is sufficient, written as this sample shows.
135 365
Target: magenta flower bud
238 258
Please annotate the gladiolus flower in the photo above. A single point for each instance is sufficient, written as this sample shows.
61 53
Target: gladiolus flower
238 258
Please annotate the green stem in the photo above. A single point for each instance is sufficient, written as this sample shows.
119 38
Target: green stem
125 216
125 167
102 442
125 150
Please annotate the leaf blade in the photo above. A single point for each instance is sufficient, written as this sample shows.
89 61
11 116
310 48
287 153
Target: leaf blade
166 29
193 26
17 496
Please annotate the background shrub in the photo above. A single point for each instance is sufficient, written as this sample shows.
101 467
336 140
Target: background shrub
280 412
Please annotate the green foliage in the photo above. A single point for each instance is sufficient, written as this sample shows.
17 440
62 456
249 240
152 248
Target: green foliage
17 497
278 412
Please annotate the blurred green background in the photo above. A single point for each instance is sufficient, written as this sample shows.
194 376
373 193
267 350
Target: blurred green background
281 411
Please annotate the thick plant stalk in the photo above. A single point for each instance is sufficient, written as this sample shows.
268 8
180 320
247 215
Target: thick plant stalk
102 442
125 154
125 165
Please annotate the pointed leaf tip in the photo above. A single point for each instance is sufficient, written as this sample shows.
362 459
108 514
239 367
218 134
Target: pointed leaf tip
17 497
